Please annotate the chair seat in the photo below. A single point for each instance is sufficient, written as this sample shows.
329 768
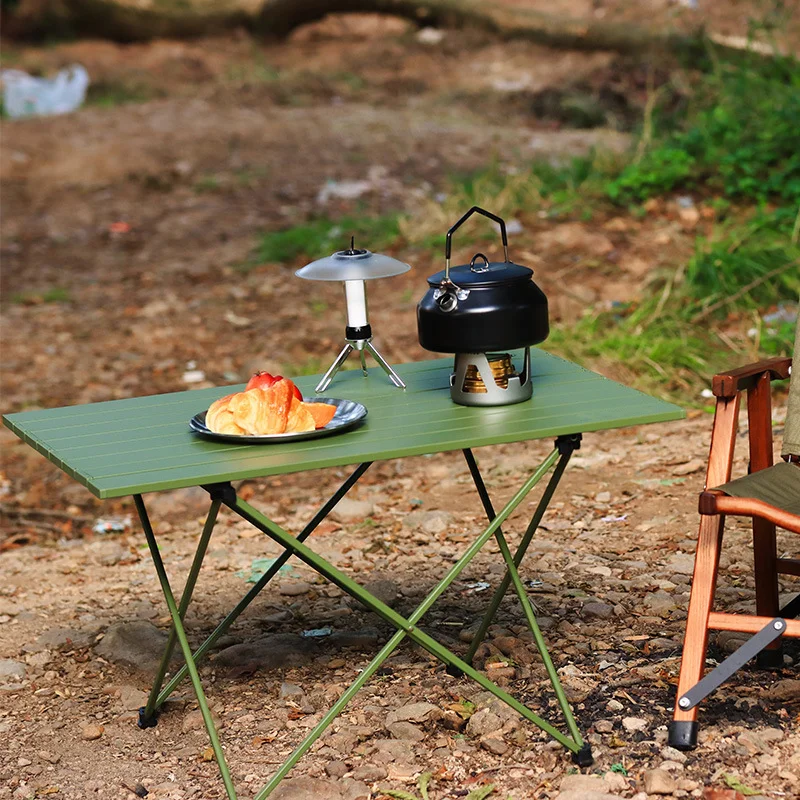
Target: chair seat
778 485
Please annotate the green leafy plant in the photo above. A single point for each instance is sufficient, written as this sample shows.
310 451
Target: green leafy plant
735 145
422 785
734 783
738 138
752 260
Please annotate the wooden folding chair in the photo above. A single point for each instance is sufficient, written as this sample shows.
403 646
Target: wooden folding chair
770 495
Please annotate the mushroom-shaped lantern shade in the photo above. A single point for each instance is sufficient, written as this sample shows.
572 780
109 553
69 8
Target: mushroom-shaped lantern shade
353 267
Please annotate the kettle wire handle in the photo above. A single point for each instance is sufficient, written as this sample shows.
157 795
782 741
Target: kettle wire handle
449 237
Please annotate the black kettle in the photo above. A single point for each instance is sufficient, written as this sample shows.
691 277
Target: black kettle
481 306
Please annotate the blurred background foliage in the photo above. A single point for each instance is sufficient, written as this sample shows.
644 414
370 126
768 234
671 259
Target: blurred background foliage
730 145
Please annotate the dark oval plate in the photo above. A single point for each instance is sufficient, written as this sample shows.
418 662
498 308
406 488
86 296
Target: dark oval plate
348 415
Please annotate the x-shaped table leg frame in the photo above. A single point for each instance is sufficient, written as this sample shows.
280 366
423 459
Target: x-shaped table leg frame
226 494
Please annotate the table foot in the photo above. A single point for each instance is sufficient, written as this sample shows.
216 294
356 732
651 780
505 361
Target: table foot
584 757
147 721
564 447
186 598
186 650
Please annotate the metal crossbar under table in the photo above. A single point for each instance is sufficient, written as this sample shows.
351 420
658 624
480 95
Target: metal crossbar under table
406 627
131 447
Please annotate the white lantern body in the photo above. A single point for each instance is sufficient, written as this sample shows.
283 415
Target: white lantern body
356 299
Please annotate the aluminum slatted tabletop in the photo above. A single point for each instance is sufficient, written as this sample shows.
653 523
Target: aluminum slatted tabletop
141 445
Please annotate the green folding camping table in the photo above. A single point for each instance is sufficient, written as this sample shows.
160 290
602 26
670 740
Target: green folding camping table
141 445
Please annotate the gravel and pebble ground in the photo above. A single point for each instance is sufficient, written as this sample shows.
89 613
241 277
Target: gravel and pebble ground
129 230
83 624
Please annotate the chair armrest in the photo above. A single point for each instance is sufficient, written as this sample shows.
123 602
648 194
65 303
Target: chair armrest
728 384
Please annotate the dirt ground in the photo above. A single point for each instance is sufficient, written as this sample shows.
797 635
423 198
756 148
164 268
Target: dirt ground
128 235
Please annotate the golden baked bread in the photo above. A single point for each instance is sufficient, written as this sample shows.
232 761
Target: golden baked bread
219 418
299 419
278 400
264 412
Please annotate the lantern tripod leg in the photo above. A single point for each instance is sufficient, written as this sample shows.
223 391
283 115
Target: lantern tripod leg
393 376
333 369
363 358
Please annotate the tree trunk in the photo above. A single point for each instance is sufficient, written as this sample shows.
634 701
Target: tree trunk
137 20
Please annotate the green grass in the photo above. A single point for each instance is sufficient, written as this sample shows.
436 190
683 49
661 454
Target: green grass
113 93
480 793
321 237
207 183
572 187
736 148
700 317
751 263
349 80
56 294
249 74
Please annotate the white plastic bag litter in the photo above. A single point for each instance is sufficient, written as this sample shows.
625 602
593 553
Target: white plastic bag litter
26 96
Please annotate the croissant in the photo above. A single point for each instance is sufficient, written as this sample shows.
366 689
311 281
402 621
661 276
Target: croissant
226 424
278 401
249 411
300 418
219 418
263 412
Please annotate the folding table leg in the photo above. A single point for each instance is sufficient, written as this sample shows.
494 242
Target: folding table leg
185 648
584 757
541 645
406 627
219 491
148 714
566 446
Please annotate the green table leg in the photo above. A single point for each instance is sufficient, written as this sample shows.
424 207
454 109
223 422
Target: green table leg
200 654
537 635
185 649
147 717
405 626
334 712
512 577
566 449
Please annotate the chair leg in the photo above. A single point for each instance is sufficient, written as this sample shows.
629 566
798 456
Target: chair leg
683 728
765 558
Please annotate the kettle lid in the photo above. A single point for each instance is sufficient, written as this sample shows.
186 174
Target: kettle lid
488 273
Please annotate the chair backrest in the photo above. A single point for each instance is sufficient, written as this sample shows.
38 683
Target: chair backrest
791 434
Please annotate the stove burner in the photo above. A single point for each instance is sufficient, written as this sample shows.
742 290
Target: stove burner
489 379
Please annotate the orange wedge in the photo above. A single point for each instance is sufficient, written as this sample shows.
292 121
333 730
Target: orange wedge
322 413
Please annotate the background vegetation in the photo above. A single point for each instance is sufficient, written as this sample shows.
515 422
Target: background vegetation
728 142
